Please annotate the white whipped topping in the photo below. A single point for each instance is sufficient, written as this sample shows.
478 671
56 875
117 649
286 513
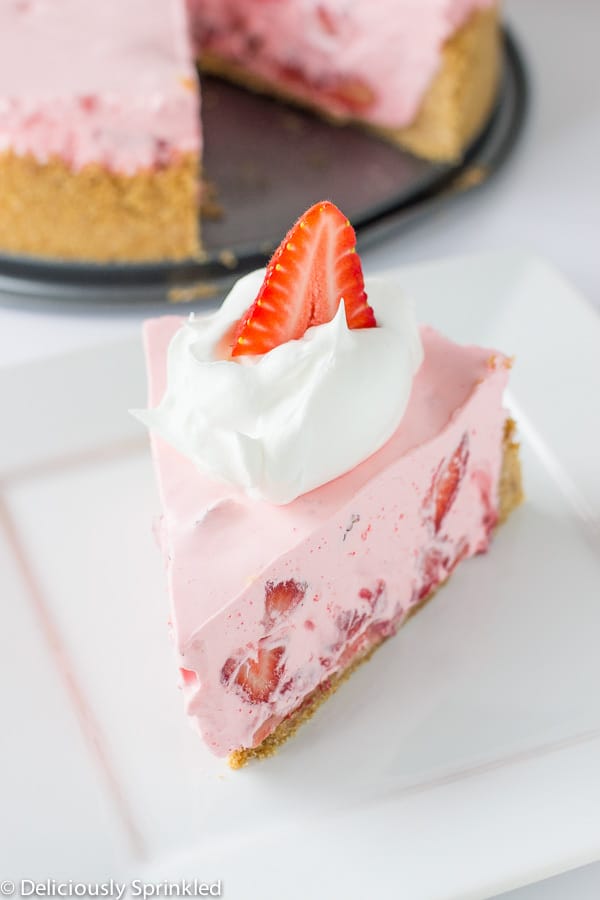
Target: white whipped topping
281 424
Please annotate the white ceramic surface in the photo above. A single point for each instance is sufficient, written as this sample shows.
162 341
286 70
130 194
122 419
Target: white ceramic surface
462 761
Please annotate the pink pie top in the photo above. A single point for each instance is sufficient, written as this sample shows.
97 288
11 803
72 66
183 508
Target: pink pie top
268 601
114 83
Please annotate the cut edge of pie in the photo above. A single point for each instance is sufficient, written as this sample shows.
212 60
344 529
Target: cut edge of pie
510 496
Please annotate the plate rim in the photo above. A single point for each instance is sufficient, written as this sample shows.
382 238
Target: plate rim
567 764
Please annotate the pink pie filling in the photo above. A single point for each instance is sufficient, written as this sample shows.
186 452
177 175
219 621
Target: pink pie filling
114 83
371 61
267 602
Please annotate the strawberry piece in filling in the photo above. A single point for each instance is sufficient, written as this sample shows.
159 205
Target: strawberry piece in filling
259 676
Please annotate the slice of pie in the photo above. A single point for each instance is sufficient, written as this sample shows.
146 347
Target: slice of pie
324 465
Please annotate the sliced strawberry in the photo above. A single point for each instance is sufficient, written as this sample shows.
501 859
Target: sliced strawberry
354 623
313 269
447 481
287 685
282 597
228 669
258 677
350 622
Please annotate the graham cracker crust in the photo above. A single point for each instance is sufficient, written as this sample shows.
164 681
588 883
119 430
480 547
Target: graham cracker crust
97 215
454 109
461 96
510 495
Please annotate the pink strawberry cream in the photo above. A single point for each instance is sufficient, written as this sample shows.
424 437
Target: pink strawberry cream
114 83
372 61
110 83
270 600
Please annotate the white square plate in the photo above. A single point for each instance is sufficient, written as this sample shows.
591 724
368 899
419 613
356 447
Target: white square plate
463 760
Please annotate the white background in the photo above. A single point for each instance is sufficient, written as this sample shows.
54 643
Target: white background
545 201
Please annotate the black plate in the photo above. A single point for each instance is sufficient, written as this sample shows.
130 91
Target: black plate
268 163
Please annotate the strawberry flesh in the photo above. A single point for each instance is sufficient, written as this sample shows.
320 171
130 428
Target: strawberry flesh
259 676
315 267
282 597
350 622
448 480
228 669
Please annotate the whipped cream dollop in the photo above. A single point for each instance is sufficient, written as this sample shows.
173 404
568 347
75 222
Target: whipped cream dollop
282 424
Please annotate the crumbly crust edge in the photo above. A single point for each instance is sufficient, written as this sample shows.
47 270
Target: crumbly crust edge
97 215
